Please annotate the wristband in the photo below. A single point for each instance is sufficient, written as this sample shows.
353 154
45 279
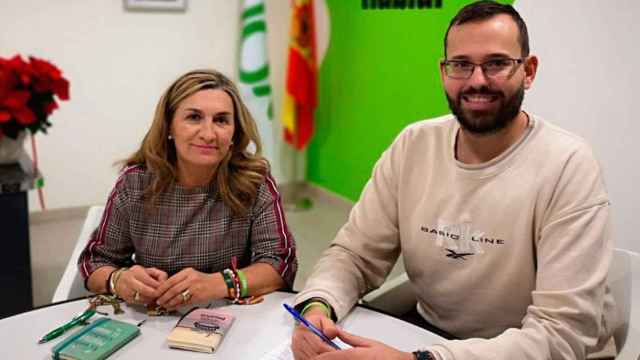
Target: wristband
244 287
320 304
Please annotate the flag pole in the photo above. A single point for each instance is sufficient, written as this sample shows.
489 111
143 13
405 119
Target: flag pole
302 35
296 199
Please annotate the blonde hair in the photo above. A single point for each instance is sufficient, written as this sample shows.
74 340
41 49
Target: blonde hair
240 172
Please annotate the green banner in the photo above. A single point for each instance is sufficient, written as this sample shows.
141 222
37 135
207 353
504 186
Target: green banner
380 73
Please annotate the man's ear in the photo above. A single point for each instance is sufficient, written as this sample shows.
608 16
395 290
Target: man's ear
530 70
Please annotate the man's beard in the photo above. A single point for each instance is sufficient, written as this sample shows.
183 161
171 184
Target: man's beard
487 123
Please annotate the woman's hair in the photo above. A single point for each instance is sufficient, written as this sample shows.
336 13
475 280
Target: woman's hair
239 173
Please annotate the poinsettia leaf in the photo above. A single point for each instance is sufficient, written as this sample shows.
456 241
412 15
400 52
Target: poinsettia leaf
61 88
24 116
5 116
16 99
50 106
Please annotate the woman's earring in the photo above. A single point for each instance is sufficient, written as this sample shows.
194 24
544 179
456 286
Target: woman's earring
169 137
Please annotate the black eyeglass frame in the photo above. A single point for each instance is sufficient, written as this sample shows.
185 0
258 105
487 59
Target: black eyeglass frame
516 63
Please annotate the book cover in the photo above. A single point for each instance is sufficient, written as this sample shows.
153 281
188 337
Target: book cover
200 330
96 341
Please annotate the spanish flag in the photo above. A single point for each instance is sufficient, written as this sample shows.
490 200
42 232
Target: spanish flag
301 94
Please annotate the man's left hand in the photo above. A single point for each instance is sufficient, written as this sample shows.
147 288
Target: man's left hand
364 348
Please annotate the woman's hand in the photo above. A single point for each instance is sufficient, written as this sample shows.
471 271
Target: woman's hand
307 345
139 285
190 286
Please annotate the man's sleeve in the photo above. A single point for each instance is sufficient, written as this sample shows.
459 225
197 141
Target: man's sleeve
271 241
366 248
574 251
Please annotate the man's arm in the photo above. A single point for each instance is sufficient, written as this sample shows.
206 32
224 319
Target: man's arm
367 246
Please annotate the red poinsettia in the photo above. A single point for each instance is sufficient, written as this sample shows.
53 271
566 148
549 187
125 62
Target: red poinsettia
27 91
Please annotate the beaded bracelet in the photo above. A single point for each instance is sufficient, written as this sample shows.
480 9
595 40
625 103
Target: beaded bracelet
238 285
236 288
228 275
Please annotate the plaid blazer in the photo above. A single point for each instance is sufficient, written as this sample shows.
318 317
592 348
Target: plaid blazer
189 227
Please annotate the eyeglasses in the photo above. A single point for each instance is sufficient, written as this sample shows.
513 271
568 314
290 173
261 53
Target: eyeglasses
495 68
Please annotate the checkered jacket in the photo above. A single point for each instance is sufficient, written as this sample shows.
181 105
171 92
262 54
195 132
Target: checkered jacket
189 227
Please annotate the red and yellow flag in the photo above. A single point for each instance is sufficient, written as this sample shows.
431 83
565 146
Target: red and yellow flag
300 98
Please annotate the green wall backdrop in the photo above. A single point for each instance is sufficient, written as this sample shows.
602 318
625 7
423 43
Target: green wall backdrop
380 73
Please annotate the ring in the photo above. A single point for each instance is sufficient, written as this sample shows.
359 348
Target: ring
186 295
136 296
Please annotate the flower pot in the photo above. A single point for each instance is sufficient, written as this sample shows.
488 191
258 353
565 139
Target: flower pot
12 151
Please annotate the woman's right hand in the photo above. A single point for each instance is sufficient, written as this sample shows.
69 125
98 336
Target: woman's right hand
141 281
307 345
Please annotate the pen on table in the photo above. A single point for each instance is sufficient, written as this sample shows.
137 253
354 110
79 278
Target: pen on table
309 326
64 328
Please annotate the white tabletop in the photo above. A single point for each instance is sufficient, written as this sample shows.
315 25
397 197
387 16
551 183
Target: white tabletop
257 330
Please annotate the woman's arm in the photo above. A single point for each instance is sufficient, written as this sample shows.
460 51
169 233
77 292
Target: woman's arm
191 286
271 241
109 247
97 281
262 278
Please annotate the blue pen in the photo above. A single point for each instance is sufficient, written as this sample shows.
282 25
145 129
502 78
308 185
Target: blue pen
309 326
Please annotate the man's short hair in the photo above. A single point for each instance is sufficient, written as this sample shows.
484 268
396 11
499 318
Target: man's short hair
485 9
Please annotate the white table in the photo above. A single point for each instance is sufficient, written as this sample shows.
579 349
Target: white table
257 330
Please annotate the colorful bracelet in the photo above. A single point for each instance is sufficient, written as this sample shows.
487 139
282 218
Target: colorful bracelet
320 304
231 286
227 275
238 286
251 300
244 287
236 282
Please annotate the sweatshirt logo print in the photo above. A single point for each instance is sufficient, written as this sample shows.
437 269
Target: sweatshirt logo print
454 255
460 239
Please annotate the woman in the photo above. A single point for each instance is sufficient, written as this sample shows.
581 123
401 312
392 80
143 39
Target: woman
188 201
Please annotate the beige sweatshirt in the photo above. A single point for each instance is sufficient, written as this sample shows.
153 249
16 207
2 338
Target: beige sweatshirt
510 255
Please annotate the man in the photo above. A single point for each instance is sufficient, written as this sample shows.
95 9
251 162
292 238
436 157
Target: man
502 219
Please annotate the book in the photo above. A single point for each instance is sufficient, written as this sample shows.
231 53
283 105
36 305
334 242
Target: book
200 330
95 341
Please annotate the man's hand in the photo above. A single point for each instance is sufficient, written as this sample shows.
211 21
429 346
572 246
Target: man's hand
307 345
364 348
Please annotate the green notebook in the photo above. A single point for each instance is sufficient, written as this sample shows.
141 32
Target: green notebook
96 341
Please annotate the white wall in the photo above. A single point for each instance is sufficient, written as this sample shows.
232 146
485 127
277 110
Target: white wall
587 83
118 63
